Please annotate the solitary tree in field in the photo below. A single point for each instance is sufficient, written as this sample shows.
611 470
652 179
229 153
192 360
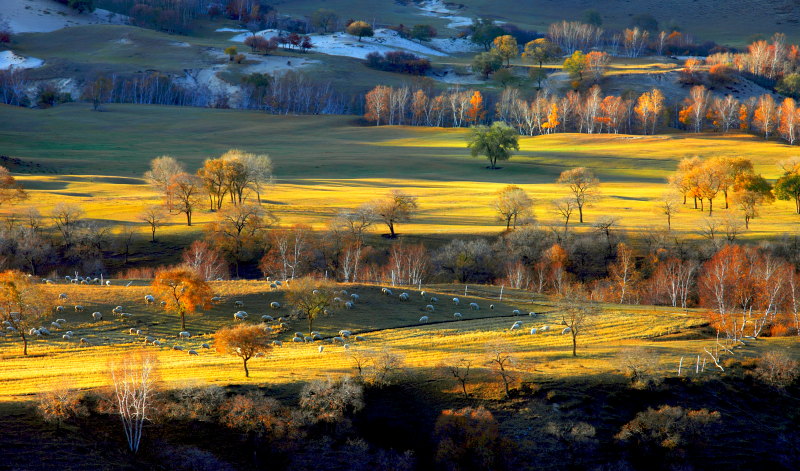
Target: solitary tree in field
154 216
183 290
495 142
459 369
501 359
506 47
360 29
162 169
749 193
788 186
244 341
513 204
134 381
583 185
395 207
577 315
565 207
184 193
310 298
98 91
22 305
668 205
11 190
231 52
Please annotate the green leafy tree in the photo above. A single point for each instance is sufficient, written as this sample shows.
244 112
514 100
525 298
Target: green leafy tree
789 85
495 142
324 19
484 31
360 29
540 51
486 63
788 188
592 17
231 52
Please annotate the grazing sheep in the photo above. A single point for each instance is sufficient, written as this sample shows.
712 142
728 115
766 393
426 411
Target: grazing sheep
277 343
308 339
44 331
491 307
345 333
149 299
474 306
515 327
259 355
238 304
61 321
205 345
108 282
456 301
184 334
533 331
192 352
163 303
532 314
297 339
316 337
403 296
544 328
275 305
434 299
156 343
11 329
62 296
55 325
515 312
177 347
132 331
148 339
97 316
239 316
59 308
125 314
273 286
429 308
138 332
423 319
78 308
457 315
66 337
299 334
284 325
267 318
387 292
346 346
216 299
348 305
278 283
343 292
34 331
117 310
566 330
69 332
422 293
360 338
315 292
84 342
354 297
338 339
337 300
320 348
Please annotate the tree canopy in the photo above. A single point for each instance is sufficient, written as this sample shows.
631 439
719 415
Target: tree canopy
495 142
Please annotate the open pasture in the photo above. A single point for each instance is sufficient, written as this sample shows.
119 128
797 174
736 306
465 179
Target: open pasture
326 163
384 321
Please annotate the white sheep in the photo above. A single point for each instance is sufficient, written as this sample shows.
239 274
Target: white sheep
346 346
267 318
320 348
108 282
184 335
277 343
149 299
61 321
205 345
515 327
343 292
423 319
59 308
456 301
216 299
474 306
34 331
354 297
297 339
316 337
177 347
238 304
338 339
387 292
125 314
66 337
403 296
156 343
84 341
44 331
239 316
97 316
315 292
163 303
544 328
117 310
515 312
360 338
192 352
78 308
299 334
533 331
566 330
491 307
429 308
422 293
308 339
275 305
434 299
345 333
457 315
62 296
532 314
337 300
348 305
55 325
148 339
273 286
278 283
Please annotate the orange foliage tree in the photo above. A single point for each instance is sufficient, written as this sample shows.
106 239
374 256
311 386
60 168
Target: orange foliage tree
377 106
183 290
469 439
476 113
244 341
22 305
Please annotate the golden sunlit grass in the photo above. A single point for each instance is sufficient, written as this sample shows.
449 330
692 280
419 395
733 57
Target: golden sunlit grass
546 355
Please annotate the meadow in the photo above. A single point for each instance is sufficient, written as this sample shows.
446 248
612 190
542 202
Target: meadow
96 159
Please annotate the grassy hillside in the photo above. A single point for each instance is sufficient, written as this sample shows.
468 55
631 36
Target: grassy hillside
324 163
385 321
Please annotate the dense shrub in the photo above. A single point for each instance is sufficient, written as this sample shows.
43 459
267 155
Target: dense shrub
469 439
397 61
777 369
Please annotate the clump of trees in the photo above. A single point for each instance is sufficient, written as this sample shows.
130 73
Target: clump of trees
398 61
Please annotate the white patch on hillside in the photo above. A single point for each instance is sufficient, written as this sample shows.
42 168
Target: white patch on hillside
43 16
9 59
231 30
454 45
437 8
343 44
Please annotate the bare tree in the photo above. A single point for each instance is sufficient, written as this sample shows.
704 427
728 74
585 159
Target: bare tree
577 315
154 216
459 368
355 222
396 207
668 205
184 194
513 205
310 298
501 358
67 218
133 378
162 170
582 184
564 207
